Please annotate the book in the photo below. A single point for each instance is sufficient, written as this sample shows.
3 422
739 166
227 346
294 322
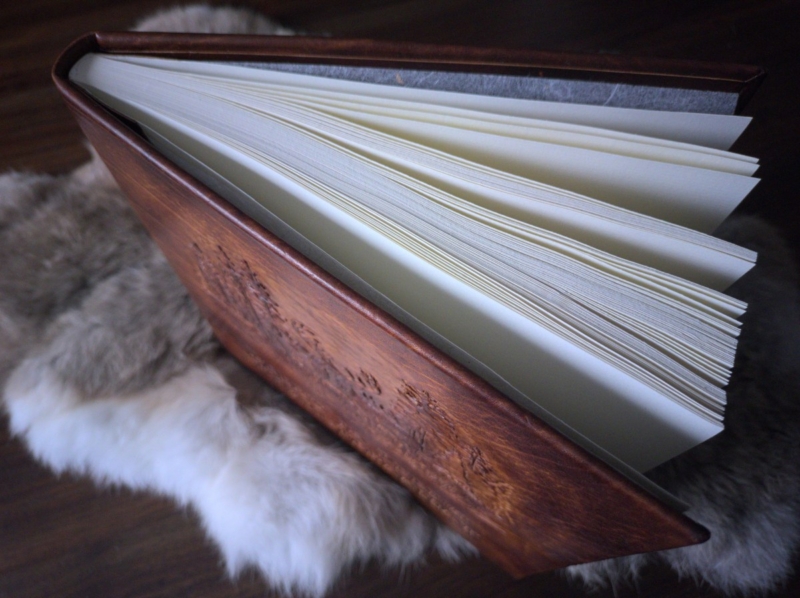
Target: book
559 250
476 223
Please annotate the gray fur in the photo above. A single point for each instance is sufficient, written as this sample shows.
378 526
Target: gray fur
83 283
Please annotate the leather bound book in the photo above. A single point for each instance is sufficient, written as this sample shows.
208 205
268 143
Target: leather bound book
516 484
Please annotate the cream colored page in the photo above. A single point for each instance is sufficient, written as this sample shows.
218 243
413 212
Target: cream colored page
697 257
711 130
682 253
201 110
623 416
590 138
507 359
683 195
687 259
182 96
473 118
687 196
256 211
416 286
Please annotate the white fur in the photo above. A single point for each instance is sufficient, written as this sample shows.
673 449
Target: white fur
201 18
266 491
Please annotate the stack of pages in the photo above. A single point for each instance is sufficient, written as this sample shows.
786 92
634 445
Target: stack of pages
561 251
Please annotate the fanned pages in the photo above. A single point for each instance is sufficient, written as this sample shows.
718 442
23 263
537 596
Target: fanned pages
563 251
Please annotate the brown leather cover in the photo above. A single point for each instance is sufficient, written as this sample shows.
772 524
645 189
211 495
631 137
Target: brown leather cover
524 495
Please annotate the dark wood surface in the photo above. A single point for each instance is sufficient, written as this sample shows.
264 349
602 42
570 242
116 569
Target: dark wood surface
64 538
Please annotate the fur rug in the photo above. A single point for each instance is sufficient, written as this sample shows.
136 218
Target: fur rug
108 370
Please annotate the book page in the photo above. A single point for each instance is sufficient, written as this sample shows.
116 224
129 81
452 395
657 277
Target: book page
258 212
628 234
341 104
530 296
711 130
685 195
633 424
